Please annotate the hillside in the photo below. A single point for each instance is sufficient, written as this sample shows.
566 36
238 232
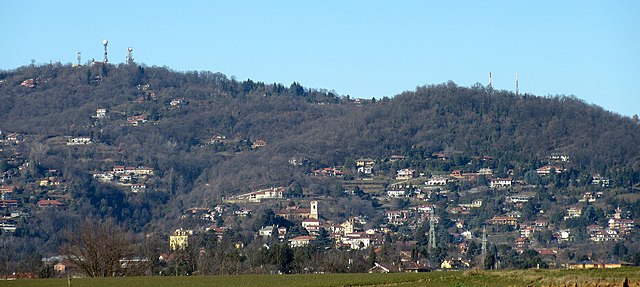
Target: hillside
196 138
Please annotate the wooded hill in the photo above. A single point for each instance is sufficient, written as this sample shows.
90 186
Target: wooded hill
169 120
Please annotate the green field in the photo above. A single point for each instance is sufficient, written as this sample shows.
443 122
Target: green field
454 278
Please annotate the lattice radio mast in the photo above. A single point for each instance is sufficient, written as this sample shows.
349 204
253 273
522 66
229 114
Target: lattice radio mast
105 43
484 245
130 56
432 231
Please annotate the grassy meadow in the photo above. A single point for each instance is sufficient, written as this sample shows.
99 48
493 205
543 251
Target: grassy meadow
610 277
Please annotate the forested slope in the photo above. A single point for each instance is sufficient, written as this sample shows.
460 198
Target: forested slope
316 125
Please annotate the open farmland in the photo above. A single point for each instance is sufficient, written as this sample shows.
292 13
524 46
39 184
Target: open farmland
532 277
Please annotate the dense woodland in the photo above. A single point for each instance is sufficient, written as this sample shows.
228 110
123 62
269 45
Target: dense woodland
315 126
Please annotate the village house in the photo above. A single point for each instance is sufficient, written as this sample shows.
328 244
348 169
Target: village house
135 188
29 83
599 180
7 188
485 171
312 225
546 170
356 241
47 203
8 203
101 113
504 220
437 181
559 157
573 212
177 102
8 225
258 143
365 165
79 141
588 197
405 174
500 183
301 241
475 204
180 239
259 196
328 171
396 193
267 231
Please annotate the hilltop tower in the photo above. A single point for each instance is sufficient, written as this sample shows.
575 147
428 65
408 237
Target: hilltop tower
105 42
516 82
314 210
130 56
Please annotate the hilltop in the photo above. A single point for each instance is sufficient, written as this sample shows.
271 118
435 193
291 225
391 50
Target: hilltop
144 144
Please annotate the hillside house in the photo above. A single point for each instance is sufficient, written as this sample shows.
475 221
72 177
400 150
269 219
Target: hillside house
49 203
600 181
437 181
573 212
356 241
7 188
101 113
548 169
301 241
396 193
503 220
177 102
8 203
365 165
258 143
180 239
500 183
136 188
328 171
405 174
260 195
485 171
79 141
312 225
267 231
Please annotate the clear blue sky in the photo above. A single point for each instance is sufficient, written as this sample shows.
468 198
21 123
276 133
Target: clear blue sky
590 49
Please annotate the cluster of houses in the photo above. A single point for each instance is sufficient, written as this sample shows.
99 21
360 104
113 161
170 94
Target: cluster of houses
132 177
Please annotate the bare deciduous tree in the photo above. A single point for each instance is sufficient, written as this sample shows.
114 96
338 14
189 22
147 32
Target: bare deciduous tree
97 247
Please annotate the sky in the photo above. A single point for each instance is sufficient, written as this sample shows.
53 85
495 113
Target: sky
364 49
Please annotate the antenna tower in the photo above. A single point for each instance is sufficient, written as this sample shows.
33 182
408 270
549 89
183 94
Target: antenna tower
432 231
105 43
484 245
79 58
130 56
516 82
490 86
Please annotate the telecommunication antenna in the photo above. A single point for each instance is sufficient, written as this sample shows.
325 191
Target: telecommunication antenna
129 56
484 245
516 82
432 231
105 43
79 58
490 81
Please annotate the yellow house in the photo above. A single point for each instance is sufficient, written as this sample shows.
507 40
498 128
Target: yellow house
179 239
